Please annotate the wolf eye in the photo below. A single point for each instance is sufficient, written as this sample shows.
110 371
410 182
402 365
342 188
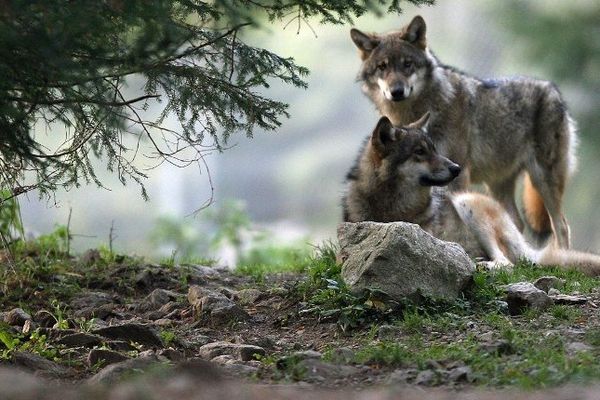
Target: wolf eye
382 66
420 151
408 63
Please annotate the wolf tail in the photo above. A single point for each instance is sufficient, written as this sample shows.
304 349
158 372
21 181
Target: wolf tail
535 210
587 263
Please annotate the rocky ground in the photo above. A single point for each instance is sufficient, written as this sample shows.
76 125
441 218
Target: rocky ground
90 320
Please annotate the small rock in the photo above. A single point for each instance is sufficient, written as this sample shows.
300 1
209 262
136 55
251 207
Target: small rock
240 369
218 310
90 256
101 312
342 355
486 336
576 347
80 340
144 278
461 374
247 297
171 355
142 334
195 293
401 376
44 318
223 359
104 357
120 345
523 294
28 327
163 322
568 299
426 378
244 352
546 283
114 372
306 354
389 332
156 299
16 317
91 300
500 347
39 364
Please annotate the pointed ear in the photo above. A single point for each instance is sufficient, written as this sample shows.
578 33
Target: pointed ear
365 42
415 32
422 123
383 135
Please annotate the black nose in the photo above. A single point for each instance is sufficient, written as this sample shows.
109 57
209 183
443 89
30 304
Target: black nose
397 92
454 169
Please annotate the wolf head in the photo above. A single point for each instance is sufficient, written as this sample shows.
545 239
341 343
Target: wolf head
396 63
407 154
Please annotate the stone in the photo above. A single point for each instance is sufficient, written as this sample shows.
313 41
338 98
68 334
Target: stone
115 372
16 317
461 374
388 331
568 299
44 318
342 355
546 283
499 347
104 357
134 332
426 378
553 292
576 347
244 352
171 355
90 256
402 260
247 297
195 293
91 300
402 376
40 365
156 299
101 312
80 339
522 295
218 310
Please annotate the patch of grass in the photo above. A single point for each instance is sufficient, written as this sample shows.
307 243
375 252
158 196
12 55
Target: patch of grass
526 271
168 337
536 361
565 313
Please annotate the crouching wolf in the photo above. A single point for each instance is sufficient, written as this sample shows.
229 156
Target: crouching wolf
400 176
495 129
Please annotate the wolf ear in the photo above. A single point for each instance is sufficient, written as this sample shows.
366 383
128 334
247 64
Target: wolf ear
382 136
365 43
415 32
422 123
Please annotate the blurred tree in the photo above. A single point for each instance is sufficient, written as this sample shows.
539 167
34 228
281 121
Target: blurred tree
563 38
64 67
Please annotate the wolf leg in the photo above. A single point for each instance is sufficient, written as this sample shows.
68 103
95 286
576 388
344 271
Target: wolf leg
504 192
550 183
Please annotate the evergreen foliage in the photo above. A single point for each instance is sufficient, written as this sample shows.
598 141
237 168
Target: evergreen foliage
65 67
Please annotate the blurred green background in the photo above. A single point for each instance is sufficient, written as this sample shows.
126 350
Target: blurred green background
286 186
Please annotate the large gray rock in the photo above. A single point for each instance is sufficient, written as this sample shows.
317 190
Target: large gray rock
402 260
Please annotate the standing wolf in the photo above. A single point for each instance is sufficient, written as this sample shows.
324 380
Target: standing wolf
399 176
495 129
